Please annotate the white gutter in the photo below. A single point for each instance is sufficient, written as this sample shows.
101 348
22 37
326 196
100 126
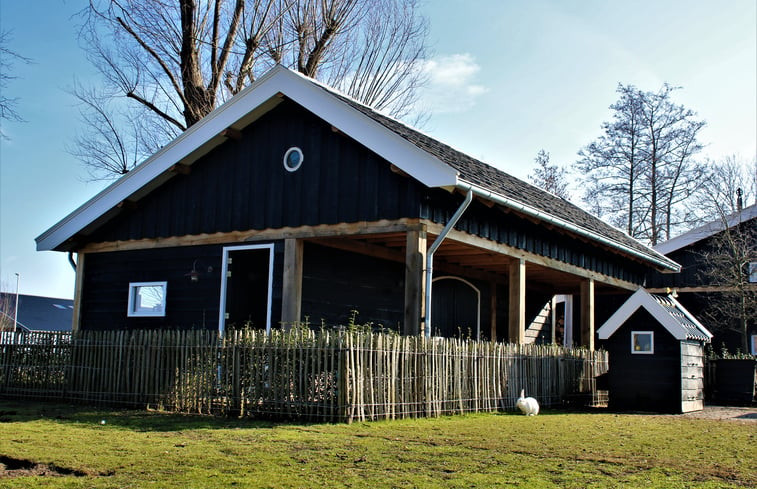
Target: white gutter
430 255
499 199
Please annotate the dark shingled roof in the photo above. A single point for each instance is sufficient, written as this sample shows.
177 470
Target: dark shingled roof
496 181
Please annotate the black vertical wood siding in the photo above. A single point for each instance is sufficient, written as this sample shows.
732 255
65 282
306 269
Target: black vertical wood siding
189 305
336 282
243 185
518 232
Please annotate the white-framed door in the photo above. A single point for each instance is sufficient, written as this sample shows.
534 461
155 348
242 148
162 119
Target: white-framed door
246 286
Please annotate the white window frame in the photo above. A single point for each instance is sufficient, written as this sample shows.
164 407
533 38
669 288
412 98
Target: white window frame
651 343
293 149
131 310
224 280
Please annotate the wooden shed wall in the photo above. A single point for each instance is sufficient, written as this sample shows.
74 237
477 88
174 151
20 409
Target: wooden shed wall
644 382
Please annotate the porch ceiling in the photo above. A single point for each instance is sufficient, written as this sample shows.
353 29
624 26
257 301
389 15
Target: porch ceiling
456 258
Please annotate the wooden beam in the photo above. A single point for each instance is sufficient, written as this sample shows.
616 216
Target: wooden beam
231 133
517 302
587 314
487 244
180 169
291 299
302 232
493 309
415 282
361 247
127 205
78 289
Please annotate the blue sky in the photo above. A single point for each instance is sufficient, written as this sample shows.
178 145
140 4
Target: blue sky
508 78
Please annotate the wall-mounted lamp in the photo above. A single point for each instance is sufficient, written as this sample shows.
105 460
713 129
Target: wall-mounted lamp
194 275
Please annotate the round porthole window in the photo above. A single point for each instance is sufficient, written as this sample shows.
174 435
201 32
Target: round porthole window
293 159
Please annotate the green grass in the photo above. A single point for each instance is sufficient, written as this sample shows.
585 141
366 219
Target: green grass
554 449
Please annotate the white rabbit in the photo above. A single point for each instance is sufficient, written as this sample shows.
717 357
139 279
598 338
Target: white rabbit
528 405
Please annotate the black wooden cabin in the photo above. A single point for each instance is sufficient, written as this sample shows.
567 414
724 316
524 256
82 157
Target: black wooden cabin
293 202
656 352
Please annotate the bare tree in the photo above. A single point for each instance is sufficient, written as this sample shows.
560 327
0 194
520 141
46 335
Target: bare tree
179 59
548 177
7 58
727 183
641 171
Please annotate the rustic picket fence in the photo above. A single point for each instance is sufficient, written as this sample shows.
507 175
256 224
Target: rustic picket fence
297 374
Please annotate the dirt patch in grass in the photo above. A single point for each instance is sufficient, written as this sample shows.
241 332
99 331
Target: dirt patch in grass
16 467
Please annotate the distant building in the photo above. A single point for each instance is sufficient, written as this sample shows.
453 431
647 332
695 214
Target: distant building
36 313
692 285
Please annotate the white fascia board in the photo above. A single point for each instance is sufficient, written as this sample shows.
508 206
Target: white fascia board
641 298
427 169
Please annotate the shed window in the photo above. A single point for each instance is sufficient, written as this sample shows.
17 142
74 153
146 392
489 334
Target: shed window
642 342
147 299
753 272
293 159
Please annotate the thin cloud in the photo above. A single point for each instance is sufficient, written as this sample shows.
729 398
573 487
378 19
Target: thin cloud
452 84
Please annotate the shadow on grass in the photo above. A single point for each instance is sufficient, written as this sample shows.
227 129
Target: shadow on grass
19 412
160 421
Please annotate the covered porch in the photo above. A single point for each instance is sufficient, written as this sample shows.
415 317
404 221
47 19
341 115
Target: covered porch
516 290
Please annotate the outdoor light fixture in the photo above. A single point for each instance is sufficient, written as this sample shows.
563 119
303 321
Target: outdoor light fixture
194 275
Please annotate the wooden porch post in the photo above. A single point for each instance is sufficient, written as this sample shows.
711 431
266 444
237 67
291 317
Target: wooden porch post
291 300
493 317
78 286
587 313
517 302
415 281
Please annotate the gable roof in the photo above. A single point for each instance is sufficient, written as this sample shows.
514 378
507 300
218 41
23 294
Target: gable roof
668 311
427 160
707 230
37 313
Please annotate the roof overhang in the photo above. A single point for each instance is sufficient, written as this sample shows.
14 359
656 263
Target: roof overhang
643 299
243 109
706 230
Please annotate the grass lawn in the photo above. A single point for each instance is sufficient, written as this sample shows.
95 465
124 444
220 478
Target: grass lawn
555 449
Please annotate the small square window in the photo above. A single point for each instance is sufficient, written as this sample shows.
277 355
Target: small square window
642 342
147 299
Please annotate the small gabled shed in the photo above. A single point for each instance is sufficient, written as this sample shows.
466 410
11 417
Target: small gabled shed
656 350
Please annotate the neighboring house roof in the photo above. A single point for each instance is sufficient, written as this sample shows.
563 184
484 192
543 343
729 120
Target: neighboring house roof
668 311
427 160
707 230
38 313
